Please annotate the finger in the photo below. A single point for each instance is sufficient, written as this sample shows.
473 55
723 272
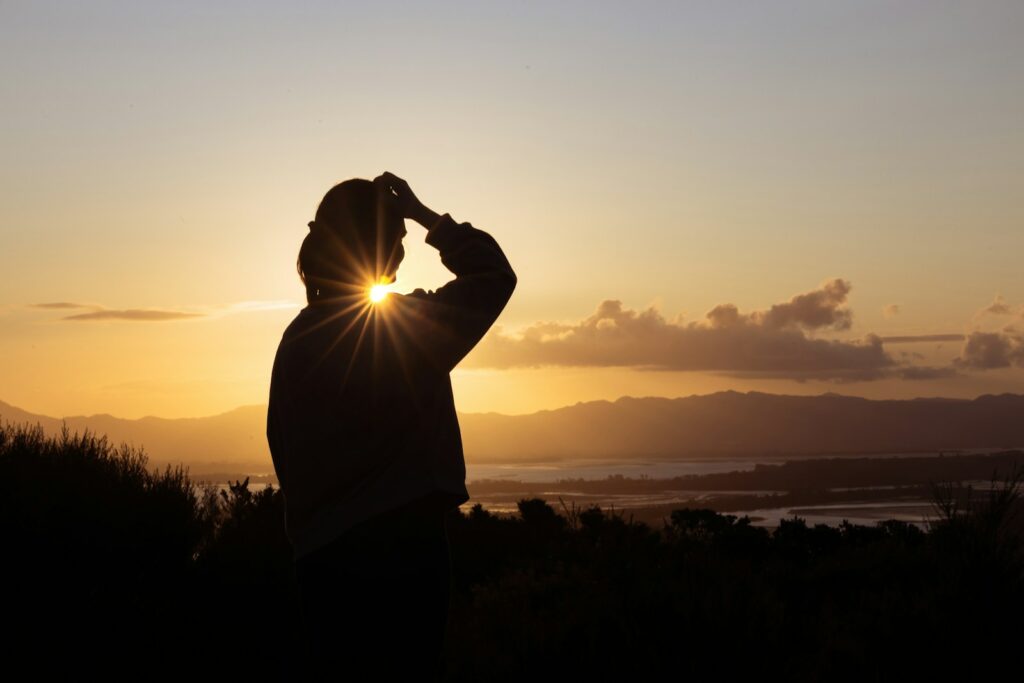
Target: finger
393 178
384 189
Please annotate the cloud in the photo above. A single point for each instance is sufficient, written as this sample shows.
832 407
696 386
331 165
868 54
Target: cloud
988 350
997 307
61 304
922 372
101 313
133 314
917 338
890 311
770 343
822 308
156 314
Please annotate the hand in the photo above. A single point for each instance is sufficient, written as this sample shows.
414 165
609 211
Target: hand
396 190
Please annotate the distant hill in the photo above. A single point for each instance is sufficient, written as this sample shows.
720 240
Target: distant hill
731 423
715 425
226 442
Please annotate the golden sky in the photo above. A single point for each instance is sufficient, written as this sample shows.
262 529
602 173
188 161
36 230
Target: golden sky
841 174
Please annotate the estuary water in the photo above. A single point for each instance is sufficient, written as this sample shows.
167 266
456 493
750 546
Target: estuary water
561 495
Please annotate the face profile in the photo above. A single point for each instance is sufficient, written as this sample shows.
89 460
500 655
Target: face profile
392 251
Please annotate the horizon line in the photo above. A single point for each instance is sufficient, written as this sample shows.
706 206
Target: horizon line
534 412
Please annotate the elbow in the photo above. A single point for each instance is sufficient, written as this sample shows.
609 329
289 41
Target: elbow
510 283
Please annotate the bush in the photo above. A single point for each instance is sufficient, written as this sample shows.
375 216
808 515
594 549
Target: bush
96 546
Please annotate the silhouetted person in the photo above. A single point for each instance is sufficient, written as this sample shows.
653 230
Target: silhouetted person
362 426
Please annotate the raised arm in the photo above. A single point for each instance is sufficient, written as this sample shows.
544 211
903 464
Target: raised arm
448 322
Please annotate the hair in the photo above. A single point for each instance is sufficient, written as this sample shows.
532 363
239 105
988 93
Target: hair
344 240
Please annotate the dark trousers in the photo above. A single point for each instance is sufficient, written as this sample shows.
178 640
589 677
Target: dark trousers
375 601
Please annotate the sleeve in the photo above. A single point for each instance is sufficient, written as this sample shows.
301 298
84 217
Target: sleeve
452 319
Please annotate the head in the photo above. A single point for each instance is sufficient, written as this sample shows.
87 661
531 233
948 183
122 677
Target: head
354 242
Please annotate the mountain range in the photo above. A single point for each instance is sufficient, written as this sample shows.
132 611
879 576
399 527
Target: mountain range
723 424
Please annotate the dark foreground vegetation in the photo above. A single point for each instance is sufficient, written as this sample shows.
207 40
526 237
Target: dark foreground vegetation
114 570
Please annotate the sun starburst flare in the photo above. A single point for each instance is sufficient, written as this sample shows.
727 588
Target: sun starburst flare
379 292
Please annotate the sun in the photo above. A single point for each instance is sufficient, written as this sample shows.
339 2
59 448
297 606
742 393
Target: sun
378 293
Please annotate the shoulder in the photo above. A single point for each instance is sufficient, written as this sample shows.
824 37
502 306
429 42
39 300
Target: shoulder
423 304
296 323
417 298
411 308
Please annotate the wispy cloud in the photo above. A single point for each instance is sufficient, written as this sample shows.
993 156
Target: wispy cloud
926 372
99 312
917 338
133 314
62 305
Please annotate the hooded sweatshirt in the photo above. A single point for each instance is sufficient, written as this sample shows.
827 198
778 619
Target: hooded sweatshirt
361 419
